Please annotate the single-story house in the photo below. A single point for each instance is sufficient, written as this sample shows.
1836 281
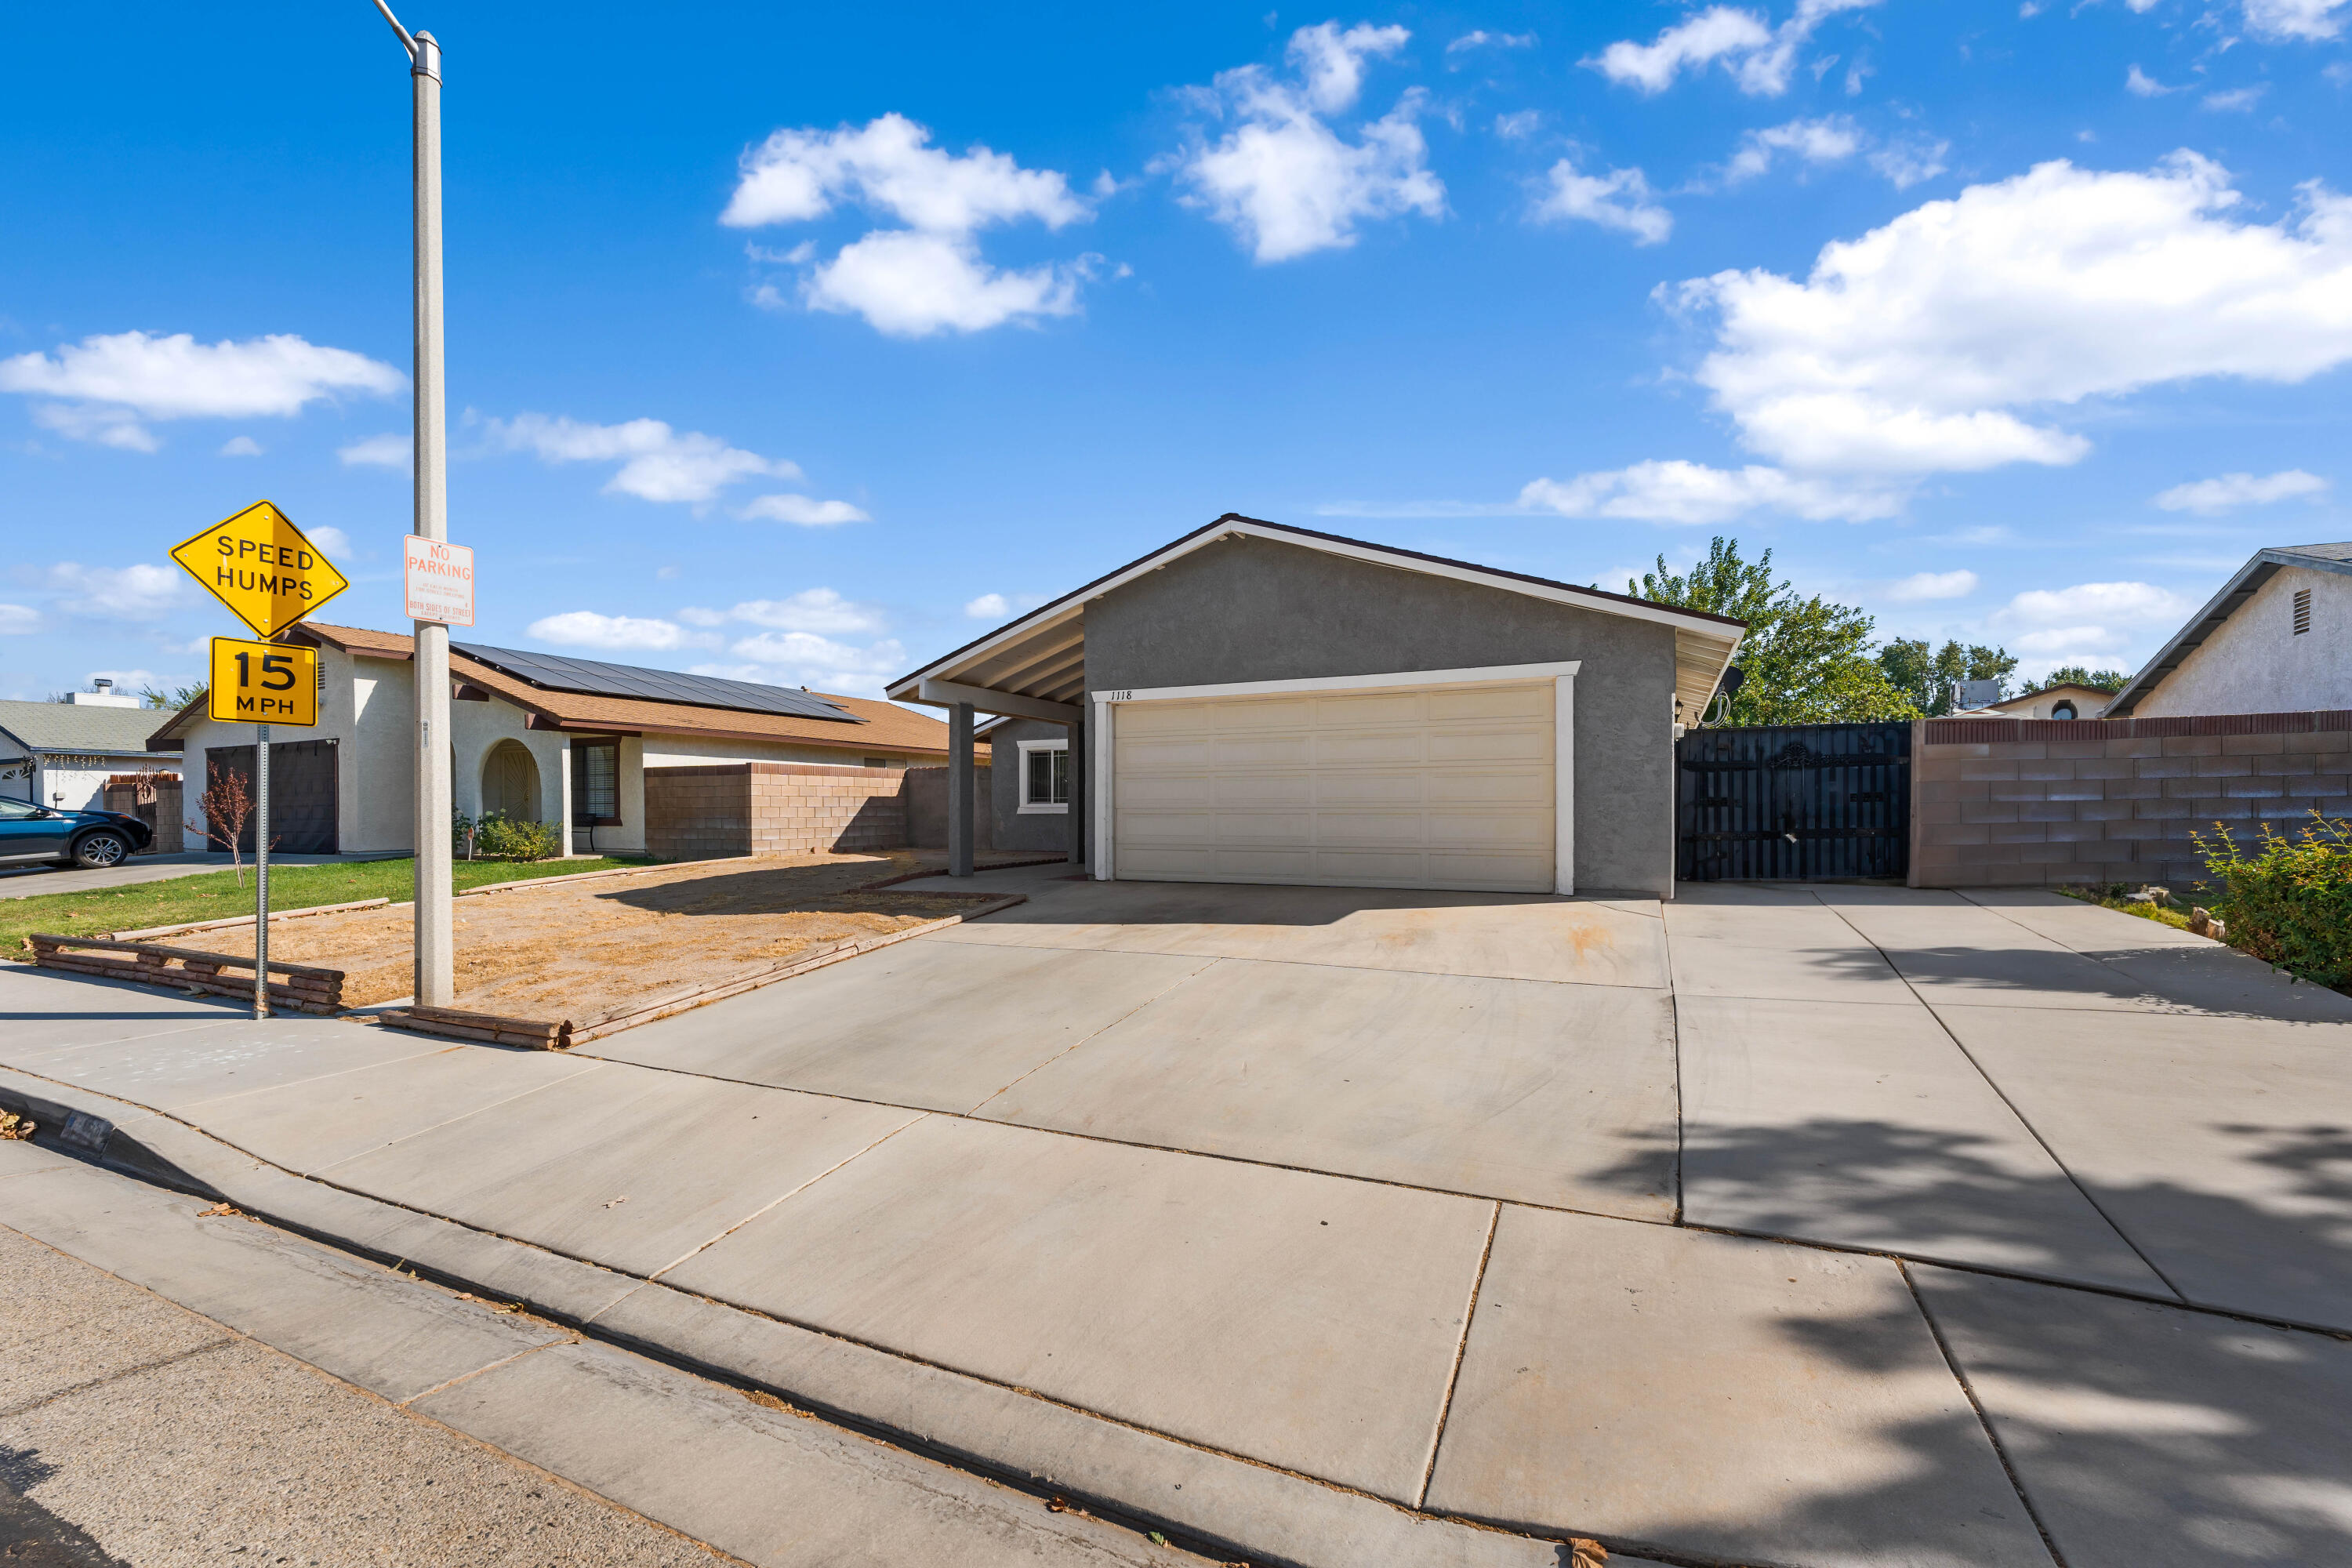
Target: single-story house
620 759
1256 702
63 753
2277 638
2067 699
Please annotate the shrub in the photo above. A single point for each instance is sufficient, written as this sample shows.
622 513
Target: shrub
2289 903
498 836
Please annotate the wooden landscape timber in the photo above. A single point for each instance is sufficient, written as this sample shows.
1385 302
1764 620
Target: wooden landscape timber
185 928
306 988
542 1035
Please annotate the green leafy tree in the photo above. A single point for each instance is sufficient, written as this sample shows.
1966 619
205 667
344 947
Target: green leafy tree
1926 673
2107 680
1809 661
176 698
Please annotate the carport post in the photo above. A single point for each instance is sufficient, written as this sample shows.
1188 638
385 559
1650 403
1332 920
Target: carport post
1078 792
960 781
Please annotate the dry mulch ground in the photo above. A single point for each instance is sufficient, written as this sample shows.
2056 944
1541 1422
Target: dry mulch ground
581 949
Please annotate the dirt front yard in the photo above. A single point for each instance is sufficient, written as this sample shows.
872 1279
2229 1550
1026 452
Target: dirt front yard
575 949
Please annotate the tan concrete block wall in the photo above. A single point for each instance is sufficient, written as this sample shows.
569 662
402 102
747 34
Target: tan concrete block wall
771 808
2025 803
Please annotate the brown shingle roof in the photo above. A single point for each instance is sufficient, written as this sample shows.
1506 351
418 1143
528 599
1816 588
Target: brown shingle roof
887 728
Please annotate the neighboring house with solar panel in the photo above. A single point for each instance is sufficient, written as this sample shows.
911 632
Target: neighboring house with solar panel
2277 638
622 759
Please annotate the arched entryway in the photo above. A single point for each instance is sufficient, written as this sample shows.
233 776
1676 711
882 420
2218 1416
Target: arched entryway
510 781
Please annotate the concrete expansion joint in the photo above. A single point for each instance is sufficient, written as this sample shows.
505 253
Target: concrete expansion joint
228 1338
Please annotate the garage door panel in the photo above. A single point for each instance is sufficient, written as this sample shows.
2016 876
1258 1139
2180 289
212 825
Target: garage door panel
1259 751
1530 788
1489 745
1376 748
1340 790
1486 702
1448 788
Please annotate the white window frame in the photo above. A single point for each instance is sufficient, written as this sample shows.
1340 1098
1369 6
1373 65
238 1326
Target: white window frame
1101 776
1042 808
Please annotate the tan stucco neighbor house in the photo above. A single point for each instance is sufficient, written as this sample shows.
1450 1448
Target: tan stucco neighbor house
604 751
2067 699
2277 638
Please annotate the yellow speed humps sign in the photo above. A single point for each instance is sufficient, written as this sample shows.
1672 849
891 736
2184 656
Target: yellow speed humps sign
262 567
264 682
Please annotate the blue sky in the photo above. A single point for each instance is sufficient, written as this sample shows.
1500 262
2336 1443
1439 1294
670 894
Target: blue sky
802 344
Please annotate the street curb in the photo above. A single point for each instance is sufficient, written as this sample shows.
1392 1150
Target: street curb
1234 1506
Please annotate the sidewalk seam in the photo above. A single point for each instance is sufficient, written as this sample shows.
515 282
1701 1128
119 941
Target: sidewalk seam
1461 1349
2000 1452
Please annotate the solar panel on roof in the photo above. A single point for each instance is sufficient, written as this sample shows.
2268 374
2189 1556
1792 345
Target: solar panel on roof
595 678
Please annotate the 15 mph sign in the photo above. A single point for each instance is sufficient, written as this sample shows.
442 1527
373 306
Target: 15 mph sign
440 582
262 567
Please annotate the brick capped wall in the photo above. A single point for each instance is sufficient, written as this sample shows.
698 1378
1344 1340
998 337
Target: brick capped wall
771 808
2027 802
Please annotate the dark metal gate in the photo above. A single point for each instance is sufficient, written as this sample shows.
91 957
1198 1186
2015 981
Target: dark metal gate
1794 803
302 794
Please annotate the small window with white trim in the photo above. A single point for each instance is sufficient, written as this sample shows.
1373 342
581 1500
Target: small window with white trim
1046 776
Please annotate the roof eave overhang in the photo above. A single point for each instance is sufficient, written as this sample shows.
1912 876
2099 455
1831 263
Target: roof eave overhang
2240 588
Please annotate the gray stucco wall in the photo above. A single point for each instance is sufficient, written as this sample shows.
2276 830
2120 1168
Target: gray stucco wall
1044 832
2256 663
1253 609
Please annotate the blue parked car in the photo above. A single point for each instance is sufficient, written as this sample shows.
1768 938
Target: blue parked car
87 838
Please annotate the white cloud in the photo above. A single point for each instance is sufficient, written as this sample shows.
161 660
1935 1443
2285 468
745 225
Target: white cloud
1760 57
117 593
988 608
386 451
1907 161
2063 609
240 447
1283 180
2309 20
2139 84
658 463
910 285
111 383
811 610
1924 586
928 277
1925 345
1518 125
331 539
18 620
1676 491
614 633
1481 38
1832 139
2237 98
1620 200
796 658
2231 491
805 510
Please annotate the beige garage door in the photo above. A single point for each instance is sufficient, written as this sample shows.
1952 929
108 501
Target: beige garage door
1448 787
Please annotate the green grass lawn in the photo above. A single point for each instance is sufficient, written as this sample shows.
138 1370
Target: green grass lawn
217 895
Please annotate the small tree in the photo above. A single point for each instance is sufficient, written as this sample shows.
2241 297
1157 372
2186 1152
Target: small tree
2107 680
1926 674
177 696
228 806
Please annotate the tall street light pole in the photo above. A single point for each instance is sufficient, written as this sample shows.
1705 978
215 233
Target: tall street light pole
435 921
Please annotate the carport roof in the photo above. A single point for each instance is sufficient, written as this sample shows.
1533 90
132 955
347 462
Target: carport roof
1038 662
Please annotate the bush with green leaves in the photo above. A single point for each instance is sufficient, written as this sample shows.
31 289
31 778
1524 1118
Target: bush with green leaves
498 836
2289 901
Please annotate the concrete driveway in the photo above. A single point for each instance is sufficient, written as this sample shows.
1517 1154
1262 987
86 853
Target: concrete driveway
1789 1225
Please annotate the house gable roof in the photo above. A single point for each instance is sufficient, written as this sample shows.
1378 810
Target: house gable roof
2249 581
1042 655
887 728
71 727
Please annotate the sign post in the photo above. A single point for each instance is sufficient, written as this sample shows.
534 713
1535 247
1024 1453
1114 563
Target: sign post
270 576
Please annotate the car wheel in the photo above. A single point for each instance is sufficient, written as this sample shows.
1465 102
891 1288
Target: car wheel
96 851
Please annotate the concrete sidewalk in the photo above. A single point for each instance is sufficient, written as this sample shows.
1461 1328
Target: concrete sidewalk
310 1408
1303 1220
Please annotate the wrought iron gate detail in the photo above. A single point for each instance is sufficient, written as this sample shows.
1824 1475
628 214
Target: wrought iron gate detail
1793 803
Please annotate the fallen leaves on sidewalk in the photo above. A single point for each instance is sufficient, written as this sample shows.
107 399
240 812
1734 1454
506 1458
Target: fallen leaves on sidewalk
220 1211
14 1127
1584 1554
